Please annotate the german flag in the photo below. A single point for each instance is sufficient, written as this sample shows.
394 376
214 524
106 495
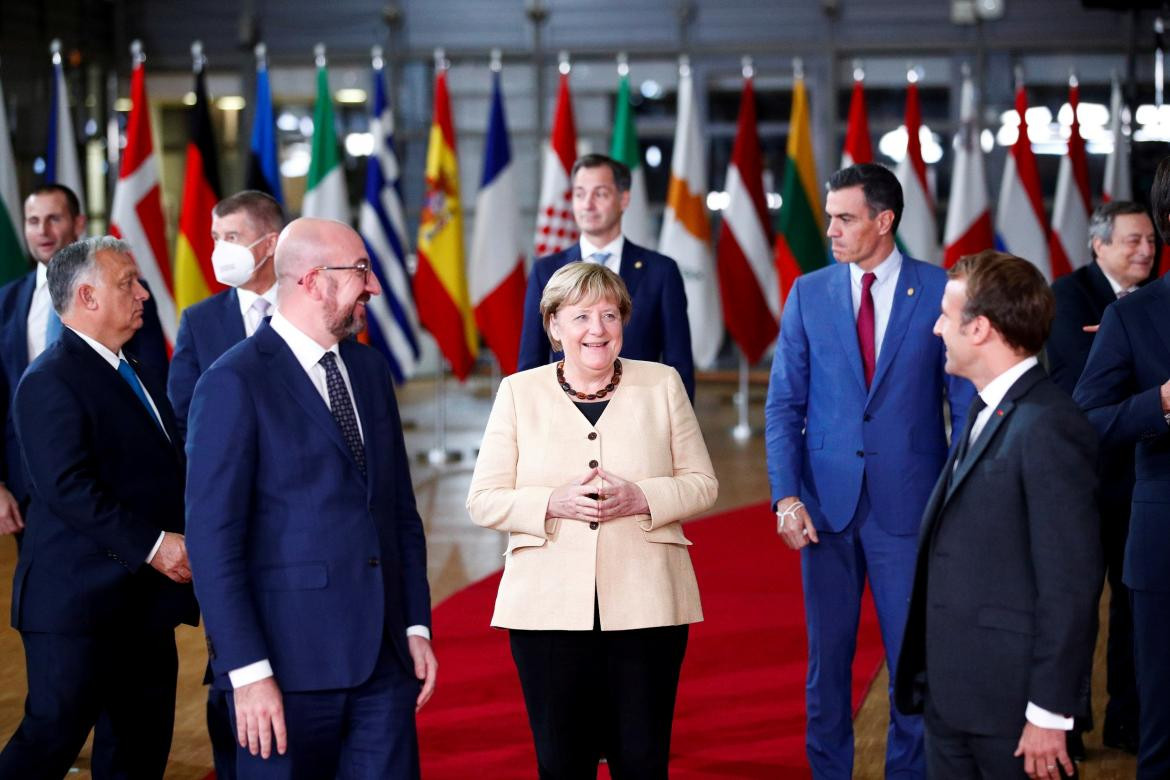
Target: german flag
194 278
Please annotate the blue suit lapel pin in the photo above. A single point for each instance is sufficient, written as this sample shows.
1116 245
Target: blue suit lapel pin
637 264
910 291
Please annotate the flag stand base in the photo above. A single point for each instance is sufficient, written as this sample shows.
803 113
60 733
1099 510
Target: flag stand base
440 455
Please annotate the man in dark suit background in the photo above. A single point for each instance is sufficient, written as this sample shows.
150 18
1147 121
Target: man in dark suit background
658 328
1121 237
307 547
999 640
1125 391
52 220
101 580
244 227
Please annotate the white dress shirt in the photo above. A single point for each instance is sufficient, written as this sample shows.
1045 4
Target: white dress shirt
615 247
249 312
992 395
308 354
38 314
114 360
1117 288
882 290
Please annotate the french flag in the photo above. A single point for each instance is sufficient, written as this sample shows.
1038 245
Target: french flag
496 272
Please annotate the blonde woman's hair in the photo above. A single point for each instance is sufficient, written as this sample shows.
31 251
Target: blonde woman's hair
582 283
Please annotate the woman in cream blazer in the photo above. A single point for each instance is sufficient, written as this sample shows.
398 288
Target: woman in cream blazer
597 602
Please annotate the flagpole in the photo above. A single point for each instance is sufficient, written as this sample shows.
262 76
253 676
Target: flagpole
743 429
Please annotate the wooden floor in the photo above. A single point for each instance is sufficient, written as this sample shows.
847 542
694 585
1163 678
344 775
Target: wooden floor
460 553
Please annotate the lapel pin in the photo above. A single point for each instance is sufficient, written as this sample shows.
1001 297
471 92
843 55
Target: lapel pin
910 291
999 412
638 264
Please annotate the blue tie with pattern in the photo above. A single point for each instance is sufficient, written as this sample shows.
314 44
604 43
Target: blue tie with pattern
342 407
131 378
53 327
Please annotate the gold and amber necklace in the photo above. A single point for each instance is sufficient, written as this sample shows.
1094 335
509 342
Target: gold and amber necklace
602 393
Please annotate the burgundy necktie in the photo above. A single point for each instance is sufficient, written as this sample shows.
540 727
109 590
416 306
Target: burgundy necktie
865 327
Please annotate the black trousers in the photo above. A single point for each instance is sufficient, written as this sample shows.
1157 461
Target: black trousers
128 676
600 693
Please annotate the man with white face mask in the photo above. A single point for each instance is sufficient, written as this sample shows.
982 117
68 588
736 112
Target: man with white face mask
244 227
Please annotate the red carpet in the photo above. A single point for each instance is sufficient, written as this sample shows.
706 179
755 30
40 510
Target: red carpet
740 711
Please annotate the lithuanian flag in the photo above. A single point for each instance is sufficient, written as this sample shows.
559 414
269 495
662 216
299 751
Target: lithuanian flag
800 240
440 283
194 277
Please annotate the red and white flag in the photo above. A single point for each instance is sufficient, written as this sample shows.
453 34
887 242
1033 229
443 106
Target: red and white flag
136 215
555 226
1020 224
918 231
1072 204
747 277
1118 183
968 229
858 148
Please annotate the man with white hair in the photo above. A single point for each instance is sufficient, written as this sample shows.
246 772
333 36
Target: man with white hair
102 578
307 548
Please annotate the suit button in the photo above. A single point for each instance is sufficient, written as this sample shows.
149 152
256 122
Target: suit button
592 464
592 435
861 453
373 562
593 525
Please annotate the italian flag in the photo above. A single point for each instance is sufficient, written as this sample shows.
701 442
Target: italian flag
325 194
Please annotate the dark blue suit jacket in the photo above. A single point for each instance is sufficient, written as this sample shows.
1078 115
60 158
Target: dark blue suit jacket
658 329
105 481
206 330
825 432
149 346
1120 393
297 557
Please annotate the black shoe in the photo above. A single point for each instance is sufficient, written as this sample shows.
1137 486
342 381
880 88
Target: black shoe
1120 737
1075 744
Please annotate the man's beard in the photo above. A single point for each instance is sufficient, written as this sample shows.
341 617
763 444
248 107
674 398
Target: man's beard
344 324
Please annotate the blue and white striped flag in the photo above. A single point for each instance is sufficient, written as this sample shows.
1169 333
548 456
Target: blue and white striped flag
61 165
392 321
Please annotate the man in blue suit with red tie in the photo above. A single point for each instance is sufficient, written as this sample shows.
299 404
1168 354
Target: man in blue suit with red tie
658 329
306 546
856 438
244 227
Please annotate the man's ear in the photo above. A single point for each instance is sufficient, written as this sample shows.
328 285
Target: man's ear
885 220
85 297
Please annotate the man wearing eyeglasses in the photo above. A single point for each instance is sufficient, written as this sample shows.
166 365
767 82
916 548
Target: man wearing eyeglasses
244 227
306 547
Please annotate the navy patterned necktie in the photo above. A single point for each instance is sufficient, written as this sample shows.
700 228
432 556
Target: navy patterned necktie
342 407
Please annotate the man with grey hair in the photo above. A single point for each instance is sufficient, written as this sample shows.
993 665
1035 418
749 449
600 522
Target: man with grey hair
311 566
1121 237
102 578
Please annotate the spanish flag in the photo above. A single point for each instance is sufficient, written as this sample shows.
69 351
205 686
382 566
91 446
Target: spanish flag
440 283
800 241
194 278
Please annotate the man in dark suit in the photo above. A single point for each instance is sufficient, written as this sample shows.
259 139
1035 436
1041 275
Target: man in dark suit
999 640
52 220
101 580
307 548
1125 391
1121 237
244 227
658 328
855 439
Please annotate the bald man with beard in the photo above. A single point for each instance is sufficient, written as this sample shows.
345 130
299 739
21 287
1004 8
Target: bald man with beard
305 544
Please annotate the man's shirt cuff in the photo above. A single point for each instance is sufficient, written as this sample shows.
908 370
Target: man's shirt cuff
246 675
1038 716
157 544
422 631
